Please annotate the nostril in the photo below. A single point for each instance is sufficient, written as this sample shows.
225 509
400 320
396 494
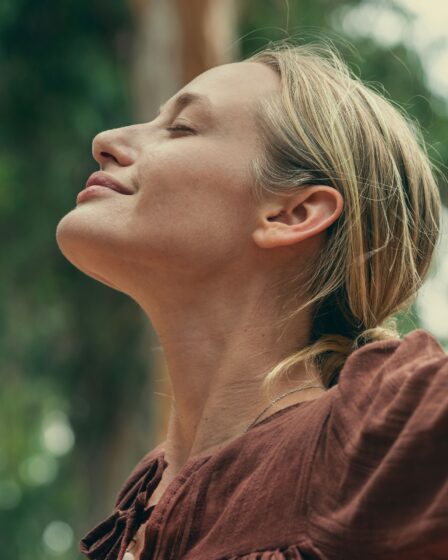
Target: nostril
108 155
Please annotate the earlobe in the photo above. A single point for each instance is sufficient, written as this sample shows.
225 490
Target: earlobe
299 217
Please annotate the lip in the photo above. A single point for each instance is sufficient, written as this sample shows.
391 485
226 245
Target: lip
98 184
104 180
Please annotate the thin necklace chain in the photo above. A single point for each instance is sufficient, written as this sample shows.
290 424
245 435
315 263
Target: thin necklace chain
134 540
277 399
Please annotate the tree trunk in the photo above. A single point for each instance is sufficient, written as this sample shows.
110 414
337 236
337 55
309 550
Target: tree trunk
175 41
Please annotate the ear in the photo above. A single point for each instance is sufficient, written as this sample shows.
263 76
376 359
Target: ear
293 219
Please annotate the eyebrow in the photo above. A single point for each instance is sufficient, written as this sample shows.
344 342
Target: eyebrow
188 98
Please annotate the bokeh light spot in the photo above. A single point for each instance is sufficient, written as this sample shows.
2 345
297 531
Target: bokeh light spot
58 436
58 537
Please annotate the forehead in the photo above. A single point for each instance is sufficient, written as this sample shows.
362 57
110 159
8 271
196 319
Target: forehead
234 89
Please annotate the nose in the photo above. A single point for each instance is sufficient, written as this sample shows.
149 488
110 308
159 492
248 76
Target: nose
112 146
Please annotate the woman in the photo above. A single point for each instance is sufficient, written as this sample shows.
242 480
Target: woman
271 221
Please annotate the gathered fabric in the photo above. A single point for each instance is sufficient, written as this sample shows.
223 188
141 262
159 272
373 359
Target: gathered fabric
109 539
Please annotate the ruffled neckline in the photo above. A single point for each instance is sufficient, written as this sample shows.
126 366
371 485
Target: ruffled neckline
110 539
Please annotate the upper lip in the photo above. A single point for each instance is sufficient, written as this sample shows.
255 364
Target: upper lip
101 178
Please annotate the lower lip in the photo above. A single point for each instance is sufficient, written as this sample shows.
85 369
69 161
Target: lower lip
93 191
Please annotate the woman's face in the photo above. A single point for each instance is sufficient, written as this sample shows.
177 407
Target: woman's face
190 213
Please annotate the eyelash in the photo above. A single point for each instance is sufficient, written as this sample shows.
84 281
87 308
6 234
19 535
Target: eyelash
178 127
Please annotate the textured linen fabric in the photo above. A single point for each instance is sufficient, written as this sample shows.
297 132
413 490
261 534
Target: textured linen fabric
360 473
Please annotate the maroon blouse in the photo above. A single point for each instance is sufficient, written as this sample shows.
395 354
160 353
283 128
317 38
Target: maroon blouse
360 473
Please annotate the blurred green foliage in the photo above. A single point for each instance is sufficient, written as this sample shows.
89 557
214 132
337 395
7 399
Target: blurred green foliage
69 347
72 366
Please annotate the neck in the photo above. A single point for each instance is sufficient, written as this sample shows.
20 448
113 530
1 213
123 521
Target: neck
217 351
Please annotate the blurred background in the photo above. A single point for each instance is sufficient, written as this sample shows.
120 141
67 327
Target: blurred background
84 392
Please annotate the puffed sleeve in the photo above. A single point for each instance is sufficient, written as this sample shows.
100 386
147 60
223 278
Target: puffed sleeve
379 483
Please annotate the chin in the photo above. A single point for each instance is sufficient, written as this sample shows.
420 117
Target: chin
85 247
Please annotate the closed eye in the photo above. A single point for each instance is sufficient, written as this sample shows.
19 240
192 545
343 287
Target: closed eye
180 127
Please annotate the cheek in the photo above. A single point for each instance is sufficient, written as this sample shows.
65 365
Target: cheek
194 205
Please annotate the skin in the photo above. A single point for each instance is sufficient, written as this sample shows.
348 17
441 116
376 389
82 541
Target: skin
199 255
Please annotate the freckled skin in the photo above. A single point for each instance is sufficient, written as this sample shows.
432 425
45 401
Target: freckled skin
192 213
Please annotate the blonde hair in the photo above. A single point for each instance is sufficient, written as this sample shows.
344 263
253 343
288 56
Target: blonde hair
326 127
